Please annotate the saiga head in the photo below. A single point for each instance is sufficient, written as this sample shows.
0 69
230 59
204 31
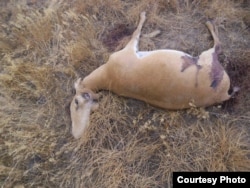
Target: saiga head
81 106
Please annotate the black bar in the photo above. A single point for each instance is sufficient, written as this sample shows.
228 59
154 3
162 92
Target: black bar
211 179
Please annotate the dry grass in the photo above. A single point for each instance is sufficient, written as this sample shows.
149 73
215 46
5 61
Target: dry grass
46 45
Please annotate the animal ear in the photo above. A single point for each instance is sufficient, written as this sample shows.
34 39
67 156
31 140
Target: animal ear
95 106
77 83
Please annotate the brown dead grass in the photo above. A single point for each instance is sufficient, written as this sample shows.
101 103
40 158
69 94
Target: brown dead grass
46 45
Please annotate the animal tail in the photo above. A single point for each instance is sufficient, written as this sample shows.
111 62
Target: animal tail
236 89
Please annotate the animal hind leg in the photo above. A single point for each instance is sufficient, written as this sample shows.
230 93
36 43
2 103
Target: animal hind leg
214 31
133 43
217 71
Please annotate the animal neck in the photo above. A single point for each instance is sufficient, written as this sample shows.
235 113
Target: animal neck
96 80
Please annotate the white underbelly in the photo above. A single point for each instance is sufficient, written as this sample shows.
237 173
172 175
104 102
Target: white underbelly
142 54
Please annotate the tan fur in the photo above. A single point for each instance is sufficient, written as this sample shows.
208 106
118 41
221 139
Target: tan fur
158 77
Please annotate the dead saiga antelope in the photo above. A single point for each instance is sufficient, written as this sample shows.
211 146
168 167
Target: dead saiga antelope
164 78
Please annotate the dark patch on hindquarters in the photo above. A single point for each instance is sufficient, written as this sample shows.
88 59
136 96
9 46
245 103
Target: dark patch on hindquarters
189 61
217 70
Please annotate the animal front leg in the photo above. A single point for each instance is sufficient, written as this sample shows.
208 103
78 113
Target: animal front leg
133 43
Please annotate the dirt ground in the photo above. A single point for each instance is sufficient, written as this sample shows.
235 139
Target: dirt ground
46 45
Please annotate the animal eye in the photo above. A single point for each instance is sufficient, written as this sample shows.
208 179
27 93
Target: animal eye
76 101
86 96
